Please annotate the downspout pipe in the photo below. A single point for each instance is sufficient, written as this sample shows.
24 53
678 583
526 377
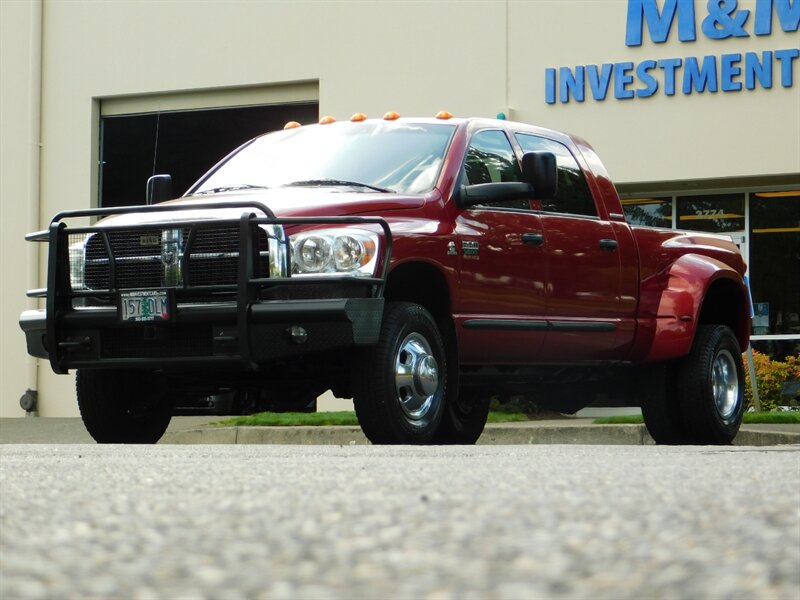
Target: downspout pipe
29 400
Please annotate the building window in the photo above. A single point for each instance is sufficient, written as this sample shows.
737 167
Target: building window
766 227
720 213
184 144
775 268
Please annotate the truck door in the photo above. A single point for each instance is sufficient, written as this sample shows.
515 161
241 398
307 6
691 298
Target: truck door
584 311
500 315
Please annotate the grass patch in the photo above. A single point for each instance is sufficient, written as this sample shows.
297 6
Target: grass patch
772 417
749 418
506 417
619 420
291 419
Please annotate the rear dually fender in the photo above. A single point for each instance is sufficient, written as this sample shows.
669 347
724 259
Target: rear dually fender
693 290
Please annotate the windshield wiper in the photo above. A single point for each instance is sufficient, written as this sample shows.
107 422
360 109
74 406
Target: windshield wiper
337 182
231 188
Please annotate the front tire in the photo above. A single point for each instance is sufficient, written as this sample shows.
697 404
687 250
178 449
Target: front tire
710 387
399 388
123 406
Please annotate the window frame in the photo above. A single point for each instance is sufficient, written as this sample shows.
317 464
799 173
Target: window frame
588 187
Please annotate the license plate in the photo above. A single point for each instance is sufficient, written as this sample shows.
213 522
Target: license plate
144 306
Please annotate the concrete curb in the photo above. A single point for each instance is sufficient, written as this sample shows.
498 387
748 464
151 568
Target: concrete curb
196 430
506 434
339 436
757 437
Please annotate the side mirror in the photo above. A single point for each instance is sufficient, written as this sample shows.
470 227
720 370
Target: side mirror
159 188
540 170
490 193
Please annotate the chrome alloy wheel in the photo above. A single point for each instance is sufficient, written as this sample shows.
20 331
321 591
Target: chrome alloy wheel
725 385
416 376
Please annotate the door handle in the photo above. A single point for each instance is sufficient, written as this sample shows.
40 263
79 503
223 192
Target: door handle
533 239
609 245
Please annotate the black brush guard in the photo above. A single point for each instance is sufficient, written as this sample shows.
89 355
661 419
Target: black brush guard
240 332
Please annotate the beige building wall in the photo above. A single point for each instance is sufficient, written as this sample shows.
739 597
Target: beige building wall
472 58
19 179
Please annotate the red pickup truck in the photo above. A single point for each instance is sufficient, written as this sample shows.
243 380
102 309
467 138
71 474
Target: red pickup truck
419 266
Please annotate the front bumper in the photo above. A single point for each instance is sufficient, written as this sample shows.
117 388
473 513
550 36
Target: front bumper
205 334
250 319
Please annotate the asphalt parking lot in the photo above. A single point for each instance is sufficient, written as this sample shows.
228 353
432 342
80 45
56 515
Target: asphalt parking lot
514 522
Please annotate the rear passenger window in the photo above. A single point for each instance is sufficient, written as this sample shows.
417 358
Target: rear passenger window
573 195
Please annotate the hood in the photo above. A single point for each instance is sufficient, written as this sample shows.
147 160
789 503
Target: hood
284 202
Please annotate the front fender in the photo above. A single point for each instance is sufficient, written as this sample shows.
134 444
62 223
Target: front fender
683 290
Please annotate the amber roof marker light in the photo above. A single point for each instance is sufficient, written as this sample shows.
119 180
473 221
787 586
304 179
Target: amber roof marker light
391 116
444 114
292 125
356 118
327 120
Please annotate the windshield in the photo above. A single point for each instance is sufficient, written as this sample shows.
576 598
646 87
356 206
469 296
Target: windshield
368 156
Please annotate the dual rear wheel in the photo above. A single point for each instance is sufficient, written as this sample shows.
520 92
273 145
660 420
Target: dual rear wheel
702 399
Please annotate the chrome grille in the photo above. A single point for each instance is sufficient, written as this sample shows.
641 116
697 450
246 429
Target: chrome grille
208 255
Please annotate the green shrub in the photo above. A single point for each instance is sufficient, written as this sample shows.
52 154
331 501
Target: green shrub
770 375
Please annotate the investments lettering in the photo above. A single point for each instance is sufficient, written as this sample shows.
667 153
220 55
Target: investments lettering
732 72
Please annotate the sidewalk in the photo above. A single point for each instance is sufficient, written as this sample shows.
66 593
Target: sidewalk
196 430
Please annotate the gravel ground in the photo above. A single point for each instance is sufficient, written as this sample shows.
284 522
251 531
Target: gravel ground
494 522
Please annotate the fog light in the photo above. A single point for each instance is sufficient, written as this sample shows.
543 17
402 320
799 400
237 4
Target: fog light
297 334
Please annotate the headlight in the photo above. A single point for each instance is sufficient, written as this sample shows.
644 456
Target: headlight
351 251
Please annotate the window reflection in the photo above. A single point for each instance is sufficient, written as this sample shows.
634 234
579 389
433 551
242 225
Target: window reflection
717 213
573 195
650 212
775 267
490 159
402 157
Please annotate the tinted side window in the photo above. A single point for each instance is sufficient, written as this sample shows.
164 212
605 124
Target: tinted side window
573 195
490 159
